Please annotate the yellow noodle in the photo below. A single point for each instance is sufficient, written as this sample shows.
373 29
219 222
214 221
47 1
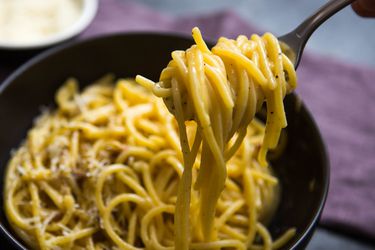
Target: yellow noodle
112 168
221 89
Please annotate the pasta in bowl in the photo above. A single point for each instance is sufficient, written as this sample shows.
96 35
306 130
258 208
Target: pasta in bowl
109 181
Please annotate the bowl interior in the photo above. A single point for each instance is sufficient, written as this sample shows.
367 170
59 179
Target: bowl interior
302 168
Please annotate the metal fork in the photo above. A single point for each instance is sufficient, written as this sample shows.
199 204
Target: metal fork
294 42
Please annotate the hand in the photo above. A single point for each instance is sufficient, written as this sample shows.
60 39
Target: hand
365 8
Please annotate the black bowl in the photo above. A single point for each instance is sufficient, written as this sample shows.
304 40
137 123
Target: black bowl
303 168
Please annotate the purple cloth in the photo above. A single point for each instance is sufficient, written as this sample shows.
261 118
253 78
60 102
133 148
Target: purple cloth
340 96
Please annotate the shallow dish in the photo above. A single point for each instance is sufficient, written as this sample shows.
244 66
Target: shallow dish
303 168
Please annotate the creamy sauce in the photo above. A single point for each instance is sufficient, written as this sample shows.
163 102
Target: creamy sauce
25 21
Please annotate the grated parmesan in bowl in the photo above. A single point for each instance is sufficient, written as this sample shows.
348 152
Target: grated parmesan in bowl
29 24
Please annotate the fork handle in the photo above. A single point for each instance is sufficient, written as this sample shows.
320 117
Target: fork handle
296 39
305 29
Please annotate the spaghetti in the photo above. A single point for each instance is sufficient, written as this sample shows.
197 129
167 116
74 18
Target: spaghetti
221 90
105 169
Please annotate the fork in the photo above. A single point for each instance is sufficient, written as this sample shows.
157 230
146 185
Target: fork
293 43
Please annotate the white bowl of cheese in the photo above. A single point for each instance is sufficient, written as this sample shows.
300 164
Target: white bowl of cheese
35 24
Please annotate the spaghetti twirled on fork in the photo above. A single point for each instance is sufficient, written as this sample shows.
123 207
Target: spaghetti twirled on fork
221 90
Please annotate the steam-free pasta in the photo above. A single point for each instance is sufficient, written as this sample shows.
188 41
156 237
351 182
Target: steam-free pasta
221 90
105 170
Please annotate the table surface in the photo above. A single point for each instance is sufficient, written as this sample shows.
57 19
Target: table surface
345 36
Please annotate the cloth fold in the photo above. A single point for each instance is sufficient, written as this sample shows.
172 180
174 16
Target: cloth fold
340 96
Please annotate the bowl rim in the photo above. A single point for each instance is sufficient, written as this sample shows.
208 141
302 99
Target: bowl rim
312 223
88 12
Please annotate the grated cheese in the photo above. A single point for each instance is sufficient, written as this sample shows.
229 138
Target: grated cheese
23 21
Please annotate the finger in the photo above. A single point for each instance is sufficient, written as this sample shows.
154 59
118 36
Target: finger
364 8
